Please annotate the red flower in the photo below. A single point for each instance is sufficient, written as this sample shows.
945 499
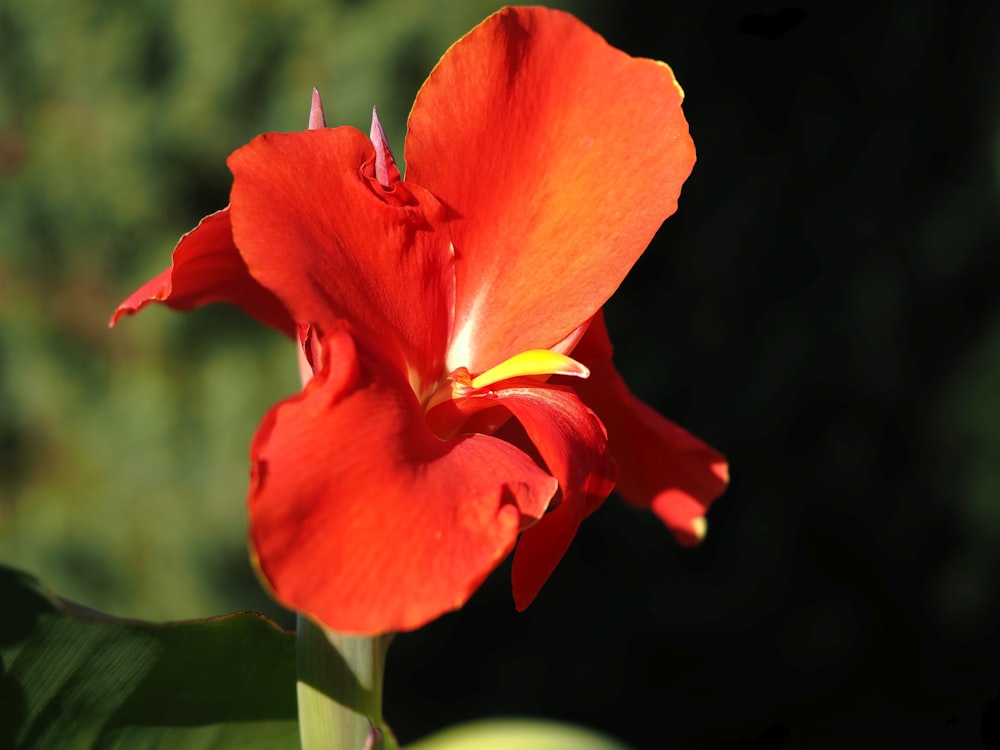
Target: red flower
431 313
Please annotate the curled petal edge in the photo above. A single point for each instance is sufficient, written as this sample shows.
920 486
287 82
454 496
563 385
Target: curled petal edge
206 267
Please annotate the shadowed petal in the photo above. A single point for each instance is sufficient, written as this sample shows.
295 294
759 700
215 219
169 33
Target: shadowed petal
208 268
316 227
572 442
662 467
559 157
363 518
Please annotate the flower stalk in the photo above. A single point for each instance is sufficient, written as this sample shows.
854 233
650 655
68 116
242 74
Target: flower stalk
340 689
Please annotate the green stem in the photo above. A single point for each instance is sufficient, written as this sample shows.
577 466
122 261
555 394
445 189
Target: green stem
340 689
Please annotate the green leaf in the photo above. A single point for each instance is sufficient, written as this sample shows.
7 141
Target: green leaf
72 677
523 734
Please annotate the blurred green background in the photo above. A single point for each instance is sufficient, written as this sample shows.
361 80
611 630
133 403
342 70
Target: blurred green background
823 308
124 454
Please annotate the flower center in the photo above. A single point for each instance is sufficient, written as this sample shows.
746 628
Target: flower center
532 363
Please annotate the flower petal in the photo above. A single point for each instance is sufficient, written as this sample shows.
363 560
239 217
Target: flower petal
662 467
559 157
208 268
316 227
572 442
362 517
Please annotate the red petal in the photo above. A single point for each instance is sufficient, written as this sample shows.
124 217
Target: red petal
207 268
559 156
662 467
315 226
573 444
363 518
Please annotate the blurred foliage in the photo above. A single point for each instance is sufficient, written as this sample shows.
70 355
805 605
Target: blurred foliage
123 456
823 308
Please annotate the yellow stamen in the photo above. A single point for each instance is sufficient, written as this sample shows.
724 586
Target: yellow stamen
532 362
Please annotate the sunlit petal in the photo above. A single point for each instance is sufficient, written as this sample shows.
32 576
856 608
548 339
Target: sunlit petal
315 226
559 156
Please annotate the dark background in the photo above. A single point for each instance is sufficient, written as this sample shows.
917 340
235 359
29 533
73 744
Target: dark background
822 309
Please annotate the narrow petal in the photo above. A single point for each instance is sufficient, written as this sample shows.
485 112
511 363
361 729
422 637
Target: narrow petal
559 156
386 170
317 119
316 227
208 268
363 518
572 442
662 467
